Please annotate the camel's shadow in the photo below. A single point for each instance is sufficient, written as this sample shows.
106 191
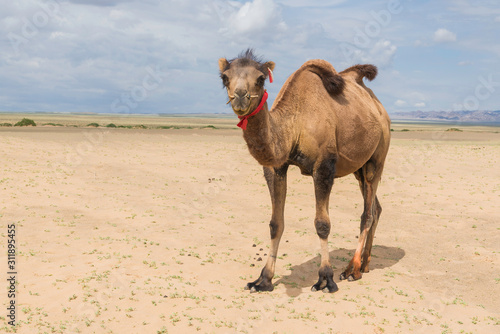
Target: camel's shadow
306 274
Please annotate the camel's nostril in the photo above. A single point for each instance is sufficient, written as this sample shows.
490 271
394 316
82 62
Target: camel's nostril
240 93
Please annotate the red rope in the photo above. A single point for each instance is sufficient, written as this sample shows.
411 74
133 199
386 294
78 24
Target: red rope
244 119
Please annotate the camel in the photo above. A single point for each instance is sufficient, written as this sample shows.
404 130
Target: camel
328 124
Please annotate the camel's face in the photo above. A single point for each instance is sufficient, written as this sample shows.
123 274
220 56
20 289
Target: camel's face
244 81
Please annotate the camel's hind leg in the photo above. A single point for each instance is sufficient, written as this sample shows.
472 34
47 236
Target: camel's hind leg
367 254
276 181
368 177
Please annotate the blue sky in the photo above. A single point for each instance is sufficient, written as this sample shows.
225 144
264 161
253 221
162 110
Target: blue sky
152 56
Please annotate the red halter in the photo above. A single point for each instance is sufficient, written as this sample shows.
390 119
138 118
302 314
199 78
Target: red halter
244 119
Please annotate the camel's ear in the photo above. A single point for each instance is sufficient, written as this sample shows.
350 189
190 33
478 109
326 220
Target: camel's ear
270 65
223 64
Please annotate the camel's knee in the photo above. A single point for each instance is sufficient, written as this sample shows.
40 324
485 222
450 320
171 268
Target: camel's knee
274 228
378 208
367 220
322 227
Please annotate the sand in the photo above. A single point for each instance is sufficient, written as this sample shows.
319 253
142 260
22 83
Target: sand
158 231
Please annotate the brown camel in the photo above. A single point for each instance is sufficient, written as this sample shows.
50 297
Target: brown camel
328 124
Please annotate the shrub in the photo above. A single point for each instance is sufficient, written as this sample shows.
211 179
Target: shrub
25 122
111 125
5 124
95 125
454 130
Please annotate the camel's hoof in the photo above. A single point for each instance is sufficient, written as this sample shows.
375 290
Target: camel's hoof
327 289
342 276
259 287
351 277
333 289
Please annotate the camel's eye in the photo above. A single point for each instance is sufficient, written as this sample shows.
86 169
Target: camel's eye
225 80
260 81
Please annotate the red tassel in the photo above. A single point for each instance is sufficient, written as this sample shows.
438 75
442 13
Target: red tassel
244 119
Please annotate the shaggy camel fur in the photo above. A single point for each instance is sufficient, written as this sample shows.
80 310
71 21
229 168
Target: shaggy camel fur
328 124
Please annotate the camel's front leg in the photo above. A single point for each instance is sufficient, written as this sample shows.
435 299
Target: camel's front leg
276 181
323 181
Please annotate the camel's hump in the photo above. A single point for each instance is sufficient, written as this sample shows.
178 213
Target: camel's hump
332 81
361 71
319 63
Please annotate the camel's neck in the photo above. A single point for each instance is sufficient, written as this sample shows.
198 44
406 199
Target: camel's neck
268 137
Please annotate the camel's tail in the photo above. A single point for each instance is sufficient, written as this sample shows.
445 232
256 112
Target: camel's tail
362 71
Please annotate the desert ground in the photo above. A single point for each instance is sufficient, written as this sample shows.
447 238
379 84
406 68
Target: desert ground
158 231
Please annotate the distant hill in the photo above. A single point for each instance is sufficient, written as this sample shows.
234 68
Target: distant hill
477 116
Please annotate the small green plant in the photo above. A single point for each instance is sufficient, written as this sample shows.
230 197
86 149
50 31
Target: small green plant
209 127
25 122
140 126
454 130
52 124
111 125
95 125
405 130
5 124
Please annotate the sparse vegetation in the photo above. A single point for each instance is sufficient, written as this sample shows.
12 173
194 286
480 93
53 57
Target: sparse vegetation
95 125
454 130
53 124
25 122
5 124
111 125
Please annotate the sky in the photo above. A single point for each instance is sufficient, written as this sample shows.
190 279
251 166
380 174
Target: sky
152 56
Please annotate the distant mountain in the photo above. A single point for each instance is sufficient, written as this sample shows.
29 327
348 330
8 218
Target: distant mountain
477 116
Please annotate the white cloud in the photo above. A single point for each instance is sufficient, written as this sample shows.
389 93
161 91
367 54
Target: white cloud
92 52
380 54
256 17
311 3
443 36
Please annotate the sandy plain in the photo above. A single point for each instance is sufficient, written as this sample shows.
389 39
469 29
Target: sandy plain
159 230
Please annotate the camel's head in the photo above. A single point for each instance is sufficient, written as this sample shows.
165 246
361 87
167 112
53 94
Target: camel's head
244 79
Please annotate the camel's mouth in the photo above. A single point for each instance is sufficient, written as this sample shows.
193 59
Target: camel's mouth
240 106
240 112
